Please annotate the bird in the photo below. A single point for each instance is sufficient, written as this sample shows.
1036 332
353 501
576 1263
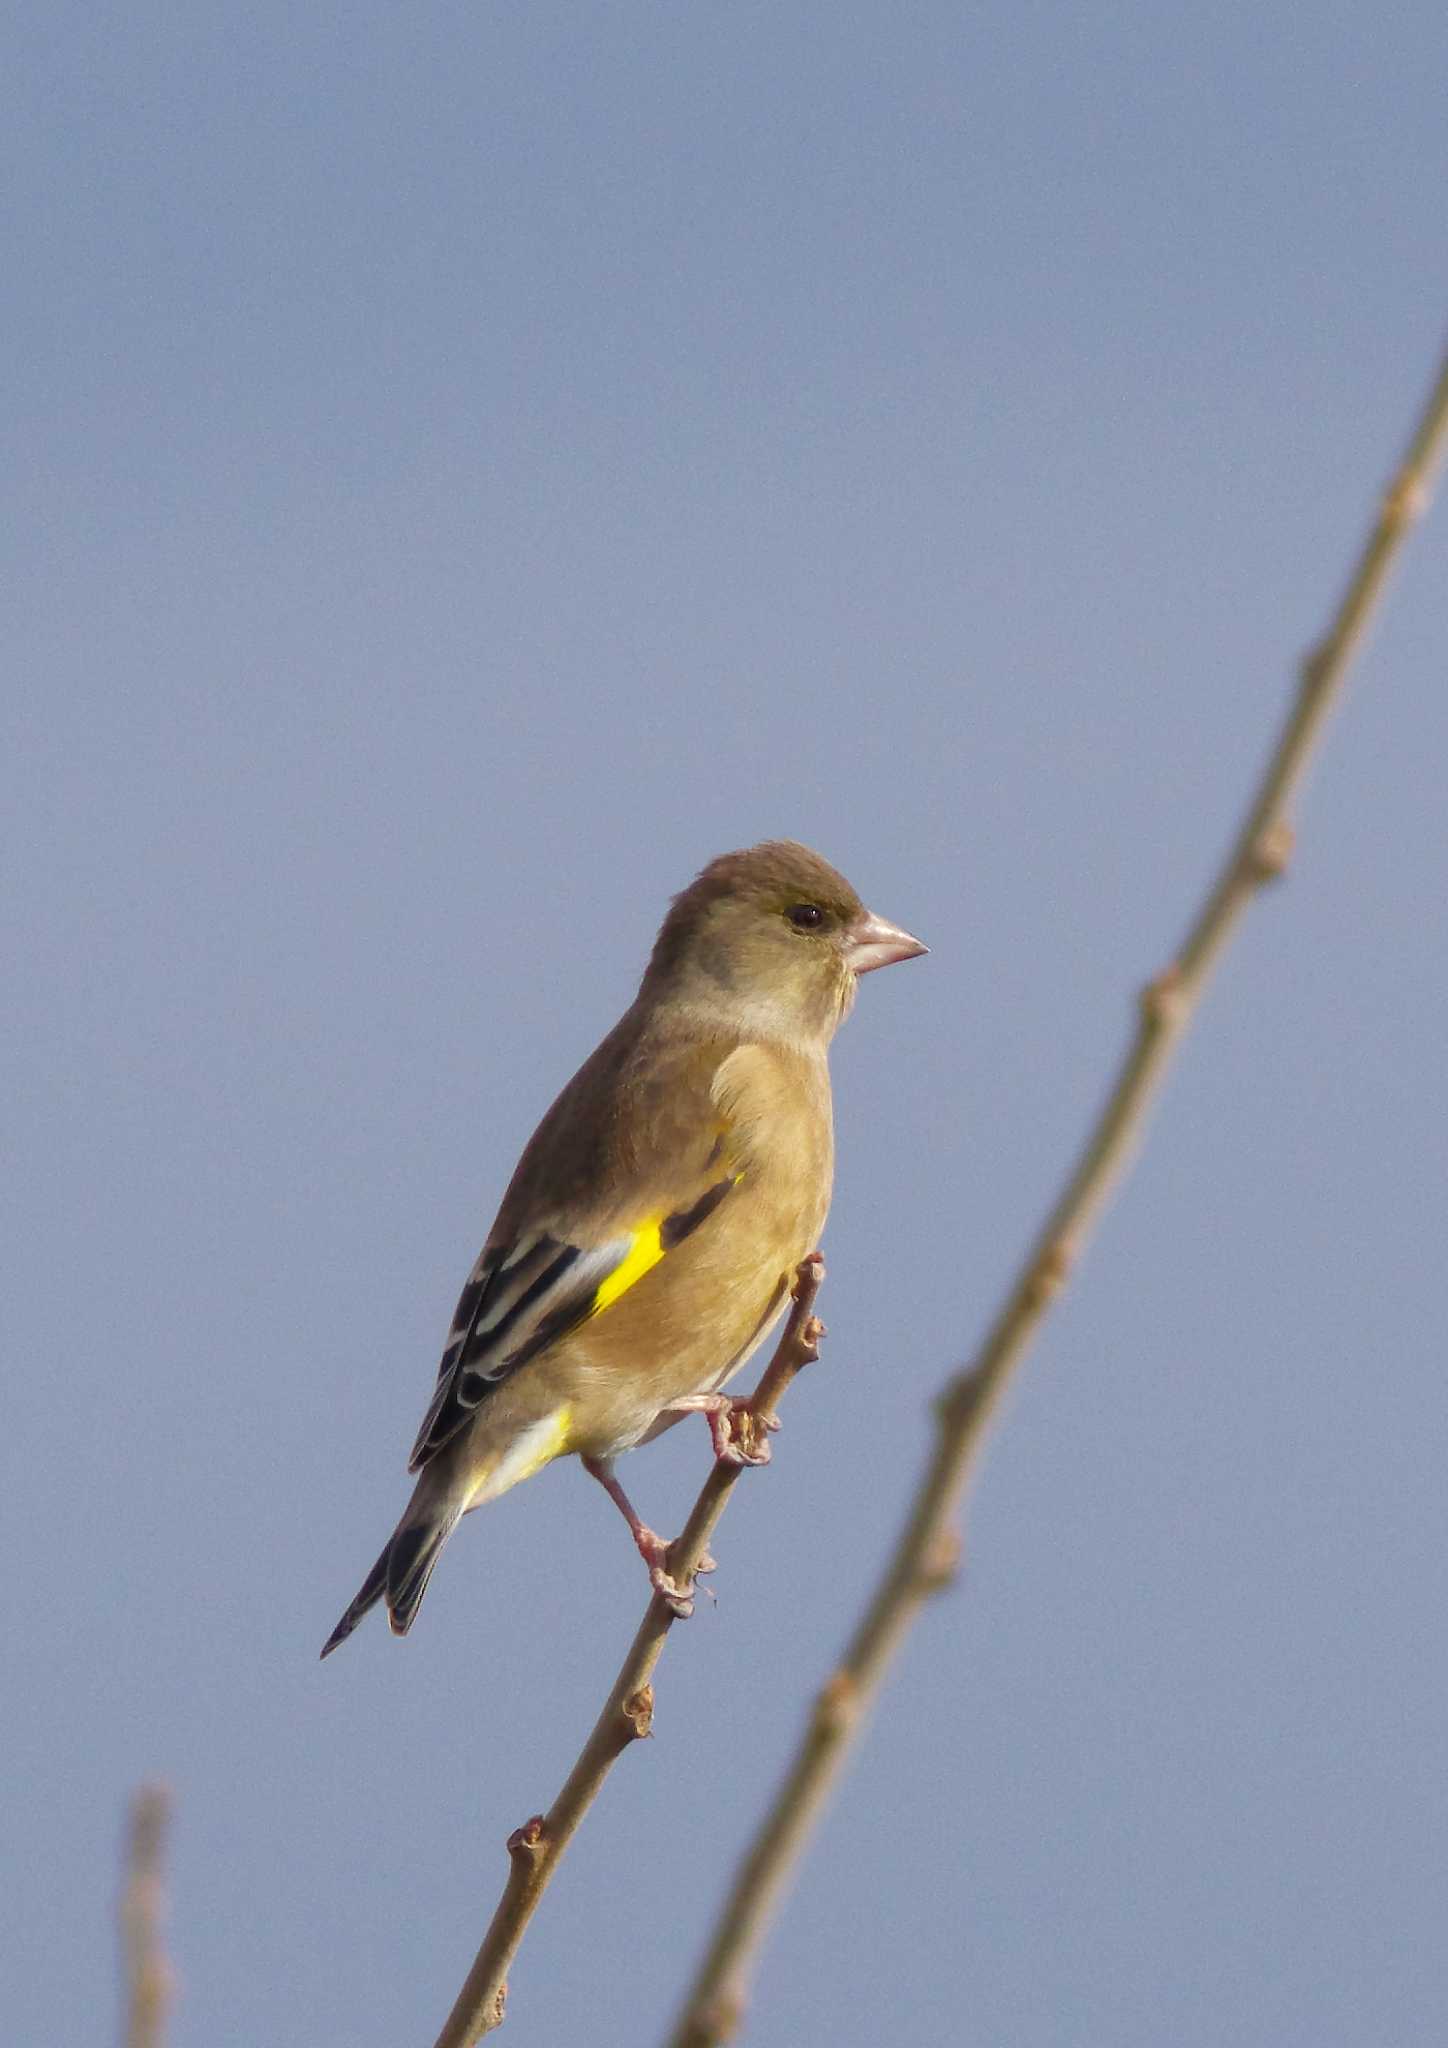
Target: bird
648 1238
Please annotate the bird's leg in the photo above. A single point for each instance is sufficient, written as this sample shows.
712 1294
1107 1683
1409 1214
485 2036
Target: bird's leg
736 1433
652 1548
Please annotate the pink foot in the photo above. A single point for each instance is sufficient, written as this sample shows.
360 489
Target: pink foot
733 1430
652 1547
678 1602
654 1550
738 1437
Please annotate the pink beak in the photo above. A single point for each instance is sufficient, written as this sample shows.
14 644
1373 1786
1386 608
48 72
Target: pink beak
871 942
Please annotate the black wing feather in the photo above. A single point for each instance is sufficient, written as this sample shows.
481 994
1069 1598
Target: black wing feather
520 1299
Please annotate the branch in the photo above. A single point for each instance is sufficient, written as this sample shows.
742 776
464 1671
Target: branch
149 1983
928 1548
536 1848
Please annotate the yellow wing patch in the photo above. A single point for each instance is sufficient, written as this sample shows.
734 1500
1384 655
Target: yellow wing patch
645 1249
655 1236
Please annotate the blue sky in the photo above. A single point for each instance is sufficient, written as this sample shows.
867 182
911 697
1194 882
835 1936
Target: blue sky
465 467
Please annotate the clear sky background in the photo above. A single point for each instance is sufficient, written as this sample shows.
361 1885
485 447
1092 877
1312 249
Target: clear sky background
465 466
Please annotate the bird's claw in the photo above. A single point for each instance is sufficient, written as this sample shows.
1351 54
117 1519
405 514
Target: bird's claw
736 1454
679 1602
740 1438
748 1438
678 1599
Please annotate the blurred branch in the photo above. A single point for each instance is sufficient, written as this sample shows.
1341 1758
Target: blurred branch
536 1848
927 1549
149 1982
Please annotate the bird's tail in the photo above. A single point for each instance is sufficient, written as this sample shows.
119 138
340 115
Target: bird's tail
401 1573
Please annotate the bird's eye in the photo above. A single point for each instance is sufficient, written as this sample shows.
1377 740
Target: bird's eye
805 917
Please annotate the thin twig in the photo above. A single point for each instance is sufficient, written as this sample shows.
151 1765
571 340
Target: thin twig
536 1848
925 1554
149 1982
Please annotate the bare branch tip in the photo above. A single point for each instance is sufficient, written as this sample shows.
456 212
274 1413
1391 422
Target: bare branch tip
151 1807
809 1277
151 1981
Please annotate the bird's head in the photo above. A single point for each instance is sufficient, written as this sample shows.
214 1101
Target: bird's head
773 940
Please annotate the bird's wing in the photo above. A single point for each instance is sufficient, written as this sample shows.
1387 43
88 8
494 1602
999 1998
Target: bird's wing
521 1297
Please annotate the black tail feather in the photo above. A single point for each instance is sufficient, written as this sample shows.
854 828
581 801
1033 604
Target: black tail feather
411 1556
373 1588
399 1576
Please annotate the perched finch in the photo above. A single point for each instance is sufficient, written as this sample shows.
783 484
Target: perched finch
649 1236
